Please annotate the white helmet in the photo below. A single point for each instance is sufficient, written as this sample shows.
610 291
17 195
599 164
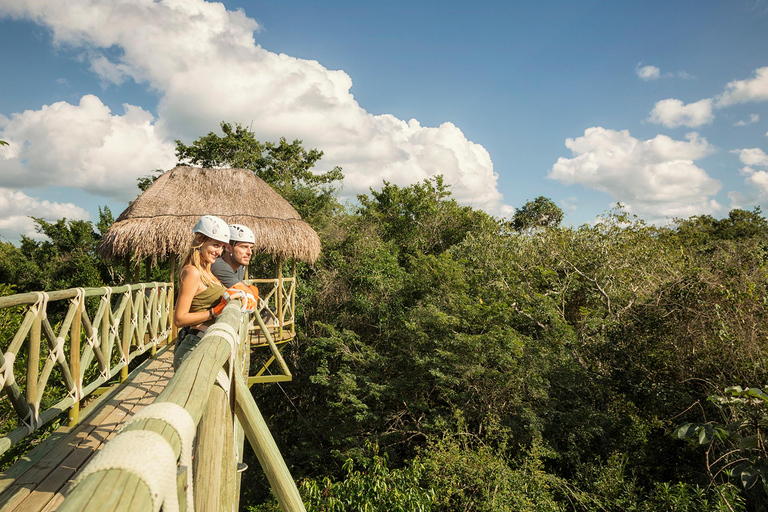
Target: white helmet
240 233
212 227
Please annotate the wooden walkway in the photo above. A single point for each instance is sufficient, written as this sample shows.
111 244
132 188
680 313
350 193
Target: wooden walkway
38 482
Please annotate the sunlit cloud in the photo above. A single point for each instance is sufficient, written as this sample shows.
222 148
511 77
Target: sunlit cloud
753 118
743 91
673 113
655 178
205 65
647 73
16 208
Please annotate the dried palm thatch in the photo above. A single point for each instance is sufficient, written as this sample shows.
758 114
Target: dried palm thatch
159 222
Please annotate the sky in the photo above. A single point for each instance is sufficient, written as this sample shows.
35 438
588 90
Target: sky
660 106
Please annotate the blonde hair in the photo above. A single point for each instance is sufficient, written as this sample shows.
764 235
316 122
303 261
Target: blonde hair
193 258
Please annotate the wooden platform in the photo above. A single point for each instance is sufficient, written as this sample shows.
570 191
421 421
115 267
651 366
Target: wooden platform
37 482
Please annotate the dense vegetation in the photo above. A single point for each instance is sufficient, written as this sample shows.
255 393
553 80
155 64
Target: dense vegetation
447 360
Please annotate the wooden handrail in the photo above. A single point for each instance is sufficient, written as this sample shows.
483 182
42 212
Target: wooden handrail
192 387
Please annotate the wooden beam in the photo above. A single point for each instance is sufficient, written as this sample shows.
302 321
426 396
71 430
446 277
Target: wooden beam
263 444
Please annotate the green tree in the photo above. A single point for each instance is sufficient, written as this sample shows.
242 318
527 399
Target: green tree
542 212
67 257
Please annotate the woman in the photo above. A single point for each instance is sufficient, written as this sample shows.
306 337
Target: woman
199 301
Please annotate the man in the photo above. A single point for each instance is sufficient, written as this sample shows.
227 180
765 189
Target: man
230 267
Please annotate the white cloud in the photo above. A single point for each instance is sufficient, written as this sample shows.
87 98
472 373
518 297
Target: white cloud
647 72
655 178
673 113
753 118
82 146
752 156
206 66
742 91
756 180
16 207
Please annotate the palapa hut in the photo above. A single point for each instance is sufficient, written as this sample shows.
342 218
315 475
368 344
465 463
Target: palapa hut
159 222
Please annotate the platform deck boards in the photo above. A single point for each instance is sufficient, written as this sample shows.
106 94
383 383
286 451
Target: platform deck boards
39 481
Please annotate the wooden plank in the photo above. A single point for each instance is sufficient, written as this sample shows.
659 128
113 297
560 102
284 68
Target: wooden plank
49 474
54 441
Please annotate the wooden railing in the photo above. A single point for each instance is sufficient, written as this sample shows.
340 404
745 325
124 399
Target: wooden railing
279 296
210 386
71 342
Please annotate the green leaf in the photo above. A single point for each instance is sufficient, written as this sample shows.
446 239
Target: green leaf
749 476
757 393
705 434
686 430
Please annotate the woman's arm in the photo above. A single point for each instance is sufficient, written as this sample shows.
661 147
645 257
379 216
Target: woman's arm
189 282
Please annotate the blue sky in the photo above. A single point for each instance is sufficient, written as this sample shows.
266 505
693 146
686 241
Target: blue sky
662 106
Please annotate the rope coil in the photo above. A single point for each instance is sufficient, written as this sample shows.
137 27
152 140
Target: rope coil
148 456
178 418
6 370
229 333
40 307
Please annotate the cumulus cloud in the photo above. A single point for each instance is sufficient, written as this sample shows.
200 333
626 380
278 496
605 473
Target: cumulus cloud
82 146
206 67
654 178
753 118
755 179
673 113
742 91
16 208
647 72
752 156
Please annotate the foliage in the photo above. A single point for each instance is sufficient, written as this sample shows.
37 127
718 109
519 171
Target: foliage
374 487
535 368
737 447
539 213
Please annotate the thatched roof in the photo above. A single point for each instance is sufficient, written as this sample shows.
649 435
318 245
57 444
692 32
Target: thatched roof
159 222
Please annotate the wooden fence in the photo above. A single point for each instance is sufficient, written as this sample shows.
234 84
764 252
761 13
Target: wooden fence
70 342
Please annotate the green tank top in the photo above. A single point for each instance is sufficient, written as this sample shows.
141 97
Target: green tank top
207 298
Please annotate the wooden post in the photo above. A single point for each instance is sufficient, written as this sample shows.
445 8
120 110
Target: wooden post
33 361
105 348
279 278
172 290
293 297
74 362
127 268
215 467
263 444
127 334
